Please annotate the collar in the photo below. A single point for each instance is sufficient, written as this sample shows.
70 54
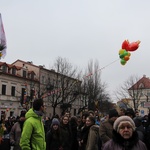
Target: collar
39 113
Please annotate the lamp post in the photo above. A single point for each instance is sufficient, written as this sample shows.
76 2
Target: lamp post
32 94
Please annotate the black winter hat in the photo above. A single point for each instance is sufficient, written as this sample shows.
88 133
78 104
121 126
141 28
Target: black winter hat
23 113
129 112
113 113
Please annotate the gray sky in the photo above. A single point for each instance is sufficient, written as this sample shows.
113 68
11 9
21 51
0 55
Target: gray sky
79 30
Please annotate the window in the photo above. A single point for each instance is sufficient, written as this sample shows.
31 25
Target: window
142 104
43 79
32 76
48 80
58 83
22 95
141 94
24 73
54 81
2 115
13 90
3 89
141 86
4 68
32 93
14 71
148 94
11 113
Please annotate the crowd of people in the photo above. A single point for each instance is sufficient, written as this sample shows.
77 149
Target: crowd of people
120 129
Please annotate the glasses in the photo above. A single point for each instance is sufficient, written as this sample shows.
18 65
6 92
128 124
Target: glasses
123 127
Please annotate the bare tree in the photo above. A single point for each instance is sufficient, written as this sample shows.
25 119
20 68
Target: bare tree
95 89
132 88
65 85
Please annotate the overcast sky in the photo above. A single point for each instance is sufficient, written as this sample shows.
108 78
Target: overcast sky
79 30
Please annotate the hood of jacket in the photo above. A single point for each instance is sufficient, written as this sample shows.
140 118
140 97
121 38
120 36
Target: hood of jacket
125 143
95 128
31 113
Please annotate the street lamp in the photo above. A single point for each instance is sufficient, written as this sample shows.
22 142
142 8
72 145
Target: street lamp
32 94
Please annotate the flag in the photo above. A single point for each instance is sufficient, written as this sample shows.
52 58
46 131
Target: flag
2 38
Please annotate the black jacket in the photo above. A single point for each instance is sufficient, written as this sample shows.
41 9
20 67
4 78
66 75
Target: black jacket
53 140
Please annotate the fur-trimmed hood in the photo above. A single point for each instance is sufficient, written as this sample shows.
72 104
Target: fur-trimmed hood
126 143
95 128
93 138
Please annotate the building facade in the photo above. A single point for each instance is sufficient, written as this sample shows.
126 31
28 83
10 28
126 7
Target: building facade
140 95
139 98
21 82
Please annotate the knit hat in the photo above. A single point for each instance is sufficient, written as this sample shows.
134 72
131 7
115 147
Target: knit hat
123 119
113 113
55 121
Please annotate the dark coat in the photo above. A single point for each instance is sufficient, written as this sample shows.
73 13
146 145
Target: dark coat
84 137
47 126
75 145
119 143
53 140
5 145
147 137
66 136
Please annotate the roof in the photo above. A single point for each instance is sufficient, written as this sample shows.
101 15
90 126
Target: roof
10 65
4 63
144 83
